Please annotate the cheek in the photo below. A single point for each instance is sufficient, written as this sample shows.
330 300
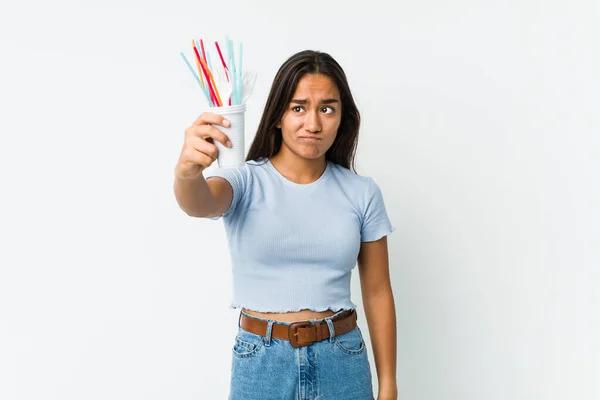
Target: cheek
292 124
335 128
294 120
331 140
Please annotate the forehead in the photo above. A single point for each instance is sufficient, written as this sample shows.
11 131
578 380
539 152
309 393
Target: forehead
316 86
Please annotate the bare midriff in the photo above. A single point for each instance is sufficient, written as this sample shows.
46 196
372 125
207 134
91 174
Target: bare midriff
291 316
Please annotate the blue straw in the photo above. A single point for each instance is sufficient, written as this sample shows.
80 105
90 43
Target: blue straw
241 52
239 93
232 63
204 90
207 56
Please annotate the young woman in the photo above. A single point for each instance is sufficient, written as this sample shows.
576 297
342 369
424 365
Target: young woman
298 219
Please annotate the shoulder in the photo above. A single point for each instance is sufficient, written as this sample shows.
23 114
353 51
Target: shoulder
241 177
363 190
245 170
359 183
256 165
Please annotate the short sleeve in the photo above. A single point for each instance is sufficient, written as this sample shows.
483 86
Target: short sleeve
376 223
238 179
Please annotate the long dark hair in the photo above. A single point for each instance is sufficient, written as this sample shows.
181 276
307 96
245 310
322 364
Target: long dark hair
267 141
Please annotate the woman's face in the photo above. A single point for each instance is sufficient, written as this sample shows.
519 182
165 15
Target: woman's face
311 120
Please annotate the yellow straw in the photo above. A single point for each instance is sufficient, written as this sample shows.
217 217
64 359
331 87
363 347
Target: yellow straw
212 81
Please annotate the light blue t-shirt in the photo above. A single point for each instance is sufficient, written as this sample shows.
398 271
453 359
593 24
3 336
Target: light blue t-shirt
294 246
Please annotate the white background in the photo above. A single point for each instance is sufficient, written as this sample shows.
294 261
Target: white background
480 124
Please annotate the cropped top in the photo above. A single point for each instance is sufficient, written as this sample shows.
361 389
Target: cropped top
294 246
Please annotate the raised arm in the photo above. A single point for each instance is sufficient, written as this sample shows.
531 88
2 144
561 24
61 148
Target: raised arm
195 195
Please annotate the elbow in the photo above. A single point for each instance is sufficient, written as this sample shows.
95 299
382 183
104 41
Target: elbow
196 213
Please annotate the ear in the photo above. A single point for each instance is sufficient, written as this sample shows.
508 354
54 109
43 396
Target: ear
278 125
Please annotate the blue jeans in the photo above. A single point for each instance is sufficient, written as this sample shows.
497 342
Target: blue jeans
264 368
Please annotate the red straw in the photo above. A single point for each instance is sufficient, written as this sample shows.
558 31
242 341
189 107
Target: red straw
214 85
213 96
223 61
203 52
198 63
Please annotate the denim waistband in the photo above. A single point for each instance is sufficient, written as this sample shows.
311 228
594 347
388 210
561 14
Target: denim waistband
312 320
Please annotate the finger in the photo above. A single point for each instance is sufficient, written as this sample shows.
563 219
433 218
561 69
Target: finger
197 157
212 118
205 147
209 131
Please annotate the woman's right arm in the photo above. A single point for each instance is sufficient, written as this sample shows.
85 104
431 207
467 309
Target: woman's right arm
196 196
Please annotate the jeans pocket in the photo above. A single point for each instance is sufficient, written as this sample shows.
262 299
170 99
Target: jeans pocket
351 342
247 344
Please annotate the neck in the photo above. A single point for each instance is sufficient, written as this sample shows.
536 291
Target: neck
299 169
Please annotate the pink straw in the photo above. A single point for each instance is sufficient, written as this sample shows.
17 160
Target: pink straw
223 61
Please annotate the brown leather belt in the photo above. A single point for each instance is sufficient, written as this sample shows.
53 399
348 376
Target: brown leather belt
302 333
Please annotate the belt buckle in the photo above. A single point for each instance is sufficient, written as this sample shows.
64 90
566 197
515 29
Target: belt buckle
293 333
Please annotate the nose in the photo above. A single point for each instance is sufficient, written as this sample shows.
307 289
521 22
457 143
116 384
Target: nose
312 123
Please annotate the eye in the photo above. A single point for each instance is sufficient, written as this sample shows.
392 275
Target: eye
331 109
296 108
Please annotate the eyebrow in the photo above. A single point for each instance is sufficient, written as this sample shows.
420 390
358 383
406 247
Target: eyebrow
304 101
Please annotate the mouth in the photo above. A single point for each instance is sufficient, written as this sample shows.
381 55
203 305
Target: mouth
310 138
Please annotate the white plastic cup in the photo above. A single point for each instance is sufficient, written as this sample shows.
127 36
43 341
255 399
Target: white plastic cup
234 156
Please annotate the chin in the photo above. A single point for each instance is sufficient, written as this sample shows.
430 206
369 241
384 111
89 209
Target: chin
310 155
